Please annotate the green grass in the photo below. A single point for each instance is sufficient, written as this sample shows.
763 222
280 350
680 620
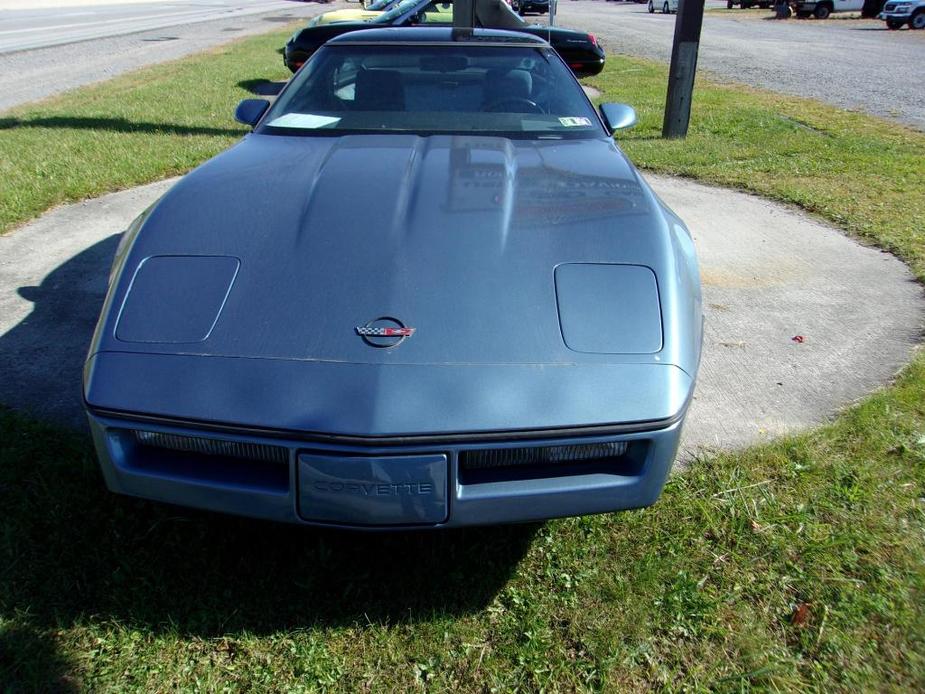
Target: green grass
133 129
792 566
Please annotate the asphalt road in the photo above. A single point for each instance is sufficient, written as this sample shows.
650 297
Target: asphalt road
122 40
851 63
25 29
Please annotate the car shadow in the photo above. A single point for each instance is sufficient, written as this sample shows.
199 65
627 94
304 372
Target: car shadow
73 554
30 662
262 87
120 125
42 357
70 551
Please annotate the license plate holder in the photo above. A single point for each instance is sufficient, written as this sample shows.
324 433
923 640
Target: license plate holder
372 490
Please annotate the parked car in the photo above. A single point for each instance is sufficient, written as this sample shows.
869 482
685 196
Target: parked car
580 50
522 7
373 9
667 6
428 290
748 4
896 13
821 9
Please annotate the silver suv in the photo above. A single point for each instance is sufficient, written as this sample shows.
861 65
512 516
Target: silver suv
899 12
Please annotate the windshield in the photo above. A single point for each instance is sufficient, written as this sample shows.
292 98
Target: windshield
397 11
498 15
500 90
379 5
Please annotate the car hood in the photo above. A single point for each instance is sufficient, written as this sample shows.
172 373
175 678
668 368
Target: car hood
349 15
281 246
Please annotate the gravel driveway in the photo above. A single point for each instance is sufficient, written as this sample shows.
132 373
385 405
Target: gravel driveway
852 63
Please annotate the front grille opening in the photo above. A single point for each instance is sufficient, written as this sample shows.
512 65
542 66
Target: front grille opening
236 464
624 458
197 444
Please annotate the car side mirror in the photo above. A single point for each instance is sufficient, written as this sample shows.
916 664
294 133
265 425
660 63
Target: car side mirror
250 111
618 116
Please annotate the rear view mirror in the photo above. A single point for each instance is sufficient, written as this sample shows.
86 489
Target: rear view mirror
445 63
250 111
618 116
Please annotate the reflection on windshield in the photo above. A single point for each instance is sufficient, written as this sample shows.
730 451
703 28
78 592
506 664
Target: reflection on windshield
397 11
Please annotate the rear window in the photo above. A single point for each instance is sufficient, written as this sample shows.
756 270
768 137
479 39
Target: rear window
505 90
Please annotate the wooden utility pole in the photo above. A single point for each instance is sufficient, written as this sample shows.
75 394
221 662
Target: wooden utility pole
683 68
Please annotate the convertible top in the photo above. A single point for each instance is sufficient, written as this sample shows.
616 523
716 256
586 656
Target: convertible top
431 35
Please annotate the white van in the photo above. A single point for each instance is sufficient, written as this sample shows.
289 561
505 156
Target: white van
821 9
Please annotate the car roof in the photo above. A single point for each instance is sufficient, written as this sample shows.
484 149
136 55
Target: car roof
436 35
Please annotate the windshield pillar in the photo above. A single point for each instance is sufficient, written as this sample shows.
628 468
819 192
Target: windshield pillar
463 14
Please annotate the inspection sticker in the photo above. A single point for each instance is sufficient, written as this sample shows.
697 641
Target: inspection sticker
573 121
303 120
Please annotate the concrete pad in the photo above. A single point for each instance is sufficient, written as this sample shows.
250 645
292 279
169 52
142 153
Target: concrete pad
770 273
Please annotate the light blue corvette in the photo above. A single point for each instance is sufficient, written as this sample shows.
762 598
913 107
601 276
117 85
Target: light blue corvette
428 290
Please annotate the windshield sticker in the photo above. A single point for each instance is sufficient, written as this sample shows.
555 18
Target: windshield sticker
303 120
575 121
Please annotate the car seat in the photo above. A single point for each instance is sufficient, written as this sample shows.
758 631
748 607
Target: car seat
379 90
507 85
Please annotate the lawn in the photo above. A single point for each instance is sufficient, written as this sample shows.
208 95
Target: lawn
796 565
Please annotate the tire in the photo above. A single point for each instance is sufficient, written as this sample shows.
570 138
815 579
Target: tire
918 20
822 12
665 8
730 4
893 24
651 7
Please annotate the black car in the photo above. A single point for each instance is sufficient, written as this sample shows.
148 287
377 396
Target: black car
580 50
521 7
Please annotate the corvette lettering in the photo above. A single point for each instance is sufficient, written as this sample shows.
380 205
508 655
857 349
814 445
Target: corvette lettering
376 488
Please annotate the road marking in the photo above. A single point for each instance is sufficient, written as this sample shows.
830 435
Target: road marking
90 25
18 40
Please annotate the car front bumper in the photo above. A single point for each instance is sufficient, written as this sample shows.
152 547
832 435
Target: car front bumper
380 485
896 16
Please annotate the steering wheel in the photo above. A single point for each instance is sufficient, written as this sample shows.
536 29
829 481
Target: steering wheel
514 101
